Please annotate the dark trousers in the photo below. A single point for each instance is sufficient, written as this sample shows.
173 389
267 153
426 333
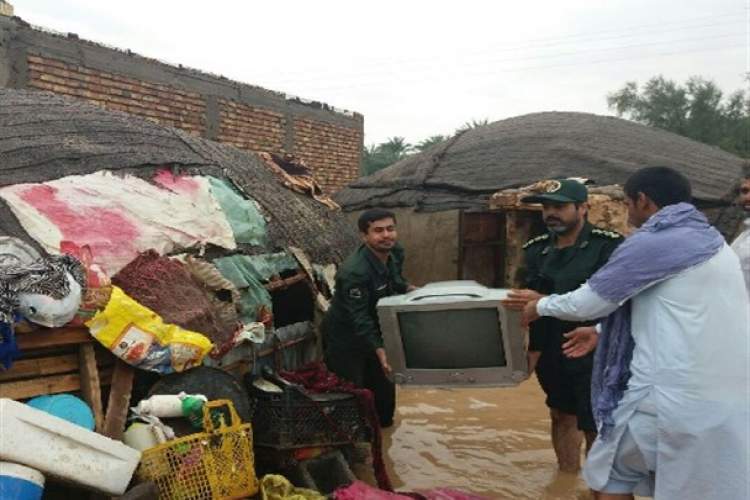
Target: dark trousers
364 370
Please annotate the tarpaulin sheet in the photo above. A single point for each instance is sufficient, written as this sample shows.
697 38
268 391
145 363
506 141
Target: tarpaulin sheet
271 264
242 272
243 215
120 216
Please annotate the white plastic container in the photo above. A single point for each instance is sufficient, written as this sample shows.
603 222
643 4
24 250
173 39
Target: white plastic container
142 436
63 450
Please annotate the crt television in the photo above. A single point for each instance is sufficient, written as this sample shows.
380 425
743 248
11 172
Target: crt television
453 333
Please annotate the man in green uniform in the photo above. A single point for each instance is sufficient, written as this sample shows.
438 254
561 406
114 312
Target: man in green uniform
560 261
353 341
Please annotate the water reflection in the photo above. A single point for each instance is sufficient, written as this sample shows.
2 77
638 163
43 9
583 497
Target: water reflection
492 442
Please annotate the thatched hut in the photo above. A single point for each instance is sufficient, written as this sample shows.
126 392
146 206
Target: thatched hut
72 173
441 196
45 136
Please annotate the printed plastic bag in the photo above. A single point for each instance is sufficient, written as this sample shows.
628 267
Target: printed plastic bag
138 336
98 285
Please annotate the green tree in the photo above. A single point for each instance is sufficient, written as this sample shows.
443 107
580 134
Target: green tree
429 142
474 123
696 109
377 157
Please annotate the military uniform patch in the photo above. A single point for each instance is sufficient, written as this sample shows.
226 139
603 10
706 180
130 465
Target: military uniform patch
605 233
355 293
536 240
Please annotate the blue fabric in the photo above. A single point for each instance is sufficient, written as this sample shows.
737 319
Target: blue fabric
675 238
8 348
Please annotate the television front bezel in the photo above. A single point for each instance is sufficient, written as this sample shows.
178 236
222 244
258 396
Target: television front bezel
513 337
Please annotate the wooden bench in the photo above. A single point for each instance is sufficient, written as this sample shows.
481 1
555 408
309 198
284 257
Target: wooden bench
58 360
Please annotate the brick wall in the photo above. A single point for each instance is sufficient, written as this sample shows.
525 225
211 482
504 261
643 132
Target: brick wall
249 127
246 116
157 102
330 150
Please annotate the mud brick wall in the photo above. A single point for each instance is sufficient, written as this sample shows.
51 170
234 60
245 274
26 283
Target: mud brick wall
250 127
162 103
248 117
328 149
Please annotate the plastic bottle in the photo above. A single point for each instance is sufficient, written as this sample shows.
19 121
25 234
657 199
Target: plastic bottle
192 409
166 406
161 406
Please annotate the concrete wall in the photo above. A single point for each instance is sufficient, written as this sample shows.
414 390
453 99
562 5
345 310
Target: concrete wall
249 117
430 241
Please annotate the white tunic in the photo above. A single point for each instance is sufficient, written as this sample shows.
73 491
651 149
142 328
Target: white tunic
692 359
741 247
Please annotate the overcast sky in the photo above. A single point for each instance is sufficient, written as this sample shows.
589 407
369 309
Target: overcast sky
417 68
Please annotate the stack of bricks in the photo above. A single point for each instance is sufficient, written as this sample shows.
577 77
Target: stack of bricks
251 128
157 102
331 151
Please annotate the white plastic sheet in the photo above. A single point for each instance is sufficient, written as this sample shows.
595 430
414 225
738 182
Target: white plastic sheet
121 216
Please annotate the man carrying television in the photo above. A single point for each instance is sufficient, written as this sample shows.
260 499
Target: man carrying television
671 374
559 261
351 331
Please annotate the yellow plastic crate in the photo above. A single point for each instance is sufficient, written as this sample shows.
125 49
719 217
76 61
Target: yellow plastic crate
215 464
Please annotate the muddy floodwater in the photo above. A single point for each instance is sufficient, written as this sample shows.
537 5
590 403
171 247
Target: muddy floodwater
491 442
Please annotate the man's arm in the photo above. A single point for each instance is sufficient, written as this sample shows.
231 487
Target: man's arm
582 304
356 301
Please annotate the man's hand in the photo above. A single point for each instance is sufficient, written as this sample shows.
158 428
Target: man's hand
529 313
581 341
517 299
380 353
411 288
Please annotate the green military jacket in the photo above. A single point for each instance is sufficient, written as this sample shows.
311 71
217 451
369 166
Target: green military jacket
351 324
560 270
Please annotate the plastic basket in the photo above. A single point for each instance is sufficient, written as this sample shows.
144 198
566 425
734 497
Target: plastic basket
215 464
294 419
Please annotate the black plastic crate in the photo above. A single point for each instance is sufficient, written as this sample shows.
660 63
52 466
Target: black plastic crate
296 419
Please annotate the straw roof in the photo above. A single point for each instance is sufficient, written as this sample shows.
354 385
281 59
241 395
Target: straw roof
44 136
463 171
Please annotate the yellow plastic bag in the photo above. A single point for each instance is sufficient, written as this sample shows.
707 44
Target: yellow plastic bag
138 336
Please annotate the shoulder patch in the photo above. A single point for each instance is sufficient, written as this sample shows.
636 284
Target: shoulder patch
613 235
542 237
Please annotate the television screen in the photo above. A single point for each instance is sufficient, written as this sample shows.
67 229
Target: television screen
453 333
482 349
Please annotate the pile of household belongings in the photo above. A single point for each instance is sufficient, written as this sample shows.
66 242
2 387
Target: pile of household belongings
153 310
170 250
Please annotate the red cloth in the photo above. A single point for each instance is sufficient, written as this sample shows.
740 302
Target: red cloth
167 288
315 377
361 491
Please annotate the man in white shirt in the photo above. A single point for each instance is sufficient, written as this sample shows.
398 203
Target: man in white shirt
670 383
741 244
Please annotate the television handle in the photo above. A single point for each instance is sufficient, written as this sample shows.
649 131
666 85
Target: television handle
440 296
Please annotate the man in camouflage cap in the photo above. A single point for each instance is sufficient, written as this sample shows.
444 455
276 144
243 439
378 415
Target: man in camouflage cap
559 261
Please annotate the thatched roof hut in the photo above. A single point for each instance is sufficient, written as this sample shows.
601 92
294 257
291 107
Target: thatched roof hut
45 137
442 196
465 170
